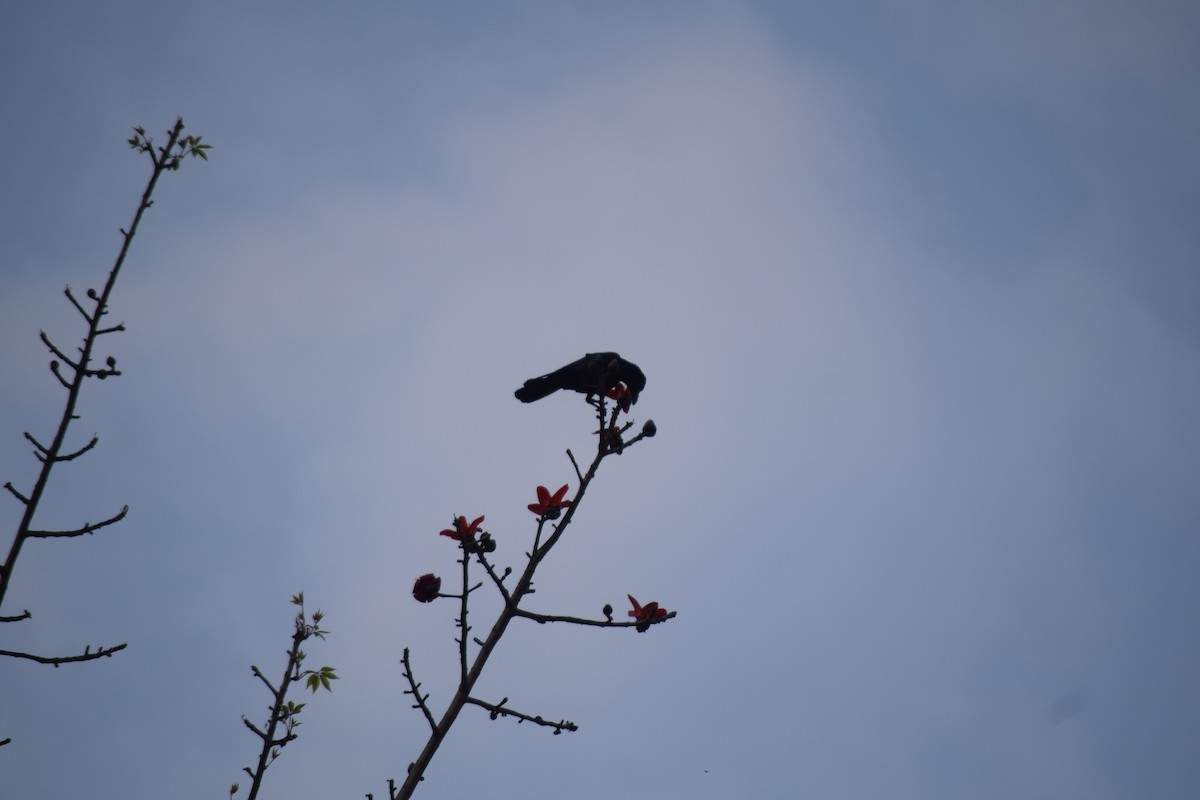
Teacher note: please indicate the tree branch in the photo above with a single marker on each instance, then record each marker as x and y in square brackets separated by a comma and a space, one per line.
[73, 386]
[86, 655]
[54, 368]
[497, 579]
[498, 710]
[72, 456]
[41, 448]
[596, 623]
[415, 690]
[283, 711]
[17, 495]
[61, 355]
[89, 527]
[74, 302]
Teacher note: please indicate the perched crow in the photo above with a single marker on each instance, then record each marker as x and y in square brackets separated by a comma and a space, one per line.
[595, 373]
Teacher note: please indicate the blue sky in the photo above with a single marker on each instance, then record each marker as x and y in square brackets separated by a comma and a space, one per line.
[914, 286]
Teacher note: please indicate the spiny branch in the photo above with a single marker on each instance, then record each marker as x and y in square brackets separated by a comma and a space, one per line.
[415, 690]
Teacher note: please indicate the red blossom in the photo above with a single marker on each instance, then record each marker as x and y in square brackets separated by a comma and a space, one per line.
[426, 588]
[548, 505]
[462, 530]
[622, 394]
[647, 613]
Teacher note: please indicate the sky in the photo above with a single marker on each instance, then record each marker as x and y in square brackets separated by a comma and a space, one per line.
[914, 288]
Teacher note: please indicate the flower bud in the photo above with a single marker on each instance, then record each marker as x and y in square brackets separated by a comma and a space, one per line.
[649, 429]
[426, 588]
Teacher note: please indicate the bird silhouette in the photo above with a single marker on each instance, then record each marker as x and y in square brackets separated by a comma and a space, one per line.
[595, 373]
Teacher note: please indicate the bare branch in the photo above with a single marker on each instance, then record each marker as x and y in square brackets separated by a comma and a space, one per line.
[51, 454]
[72, 456]
[42, 449]
[463, 627]
[575, 464]
[74, 302]
[497, 579]
[54, 368]
[498, 710]
[263, 678]
[61, 355]
[17, 618]
[89, 527]
[254, 728]
[15, 493]
[415, 690]
[86, 655]
[596, 623]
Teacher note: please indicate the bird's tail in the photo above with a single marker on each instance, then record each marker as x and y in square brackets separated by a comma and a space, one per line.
[536, 389]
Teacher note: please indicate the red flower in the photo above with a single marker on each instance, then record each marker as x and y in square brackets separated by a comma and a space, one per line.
[647, 613]
[462, 530]
[550, 506]
[426, 588]
[622, 395]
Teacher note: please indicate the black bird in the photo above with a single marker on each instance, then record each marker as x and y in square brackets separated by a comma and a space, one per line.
[595, 373]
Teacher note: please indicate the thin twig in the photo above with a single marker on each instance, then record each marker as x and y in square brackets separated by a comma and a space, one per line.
[575, 464]
[72, 456]
[597, 623]
[74, 302]
[89, 527]
[496, 579]
[86, 655]
[462, 615]
[499, 710]
[415, 690]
